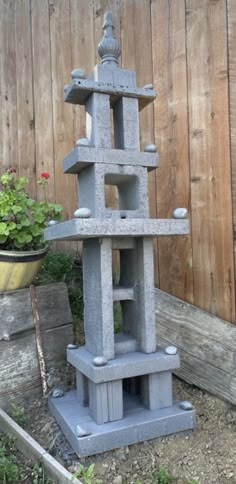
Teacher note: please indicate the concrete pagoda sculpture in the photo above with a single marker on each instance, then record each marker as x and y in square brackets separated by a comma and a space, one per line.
[124, 381]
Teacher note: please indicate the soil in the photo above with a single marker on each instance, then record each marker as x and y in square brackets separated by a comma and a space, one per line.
[206, 455]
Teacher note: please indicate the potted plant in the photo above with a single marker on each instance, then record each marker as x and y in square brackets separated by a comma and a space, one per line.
[22, 224]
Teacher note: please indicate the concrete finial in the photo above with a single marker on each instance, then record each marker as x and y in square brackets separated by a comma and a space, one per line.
[109, 47]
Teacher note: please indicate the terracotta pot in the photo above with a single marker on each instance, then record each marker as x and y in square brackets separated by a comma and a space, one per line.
[18, 269]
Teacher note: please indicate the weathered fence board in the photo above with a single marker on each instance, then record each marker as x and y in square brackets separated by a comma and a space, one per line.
[207, 345]
[172, 44]
[171, 133]
[19, 367]
[211, 214]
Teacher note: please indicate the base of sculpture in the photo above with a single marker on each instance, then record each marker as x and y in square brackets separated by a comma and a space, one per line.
[139, 424]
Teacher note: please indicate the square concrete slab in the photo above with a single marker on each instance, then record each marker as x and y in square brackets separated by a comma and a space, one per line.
[138, 424]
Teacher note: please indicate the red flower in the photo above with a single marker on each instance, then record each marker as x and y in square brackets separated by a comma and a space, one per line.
[45, 175]
[11, 170]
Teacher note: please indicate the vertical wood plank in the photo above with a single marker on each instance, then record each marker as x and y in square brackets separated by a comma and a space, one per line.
[213, 263]
[83, 51]
[171, 134]
[60, 39]
[44, 149]
[9, 137]
[231, 12]
[136, 45]
[24, 87]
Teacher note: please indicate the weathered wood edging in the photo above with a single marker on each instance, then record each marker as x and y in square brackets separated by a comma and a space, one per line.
[31, 449]
[206, 343]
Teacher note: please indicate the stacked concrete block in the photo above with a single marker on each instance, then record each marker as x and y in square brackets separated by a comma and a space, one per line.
[123, 381]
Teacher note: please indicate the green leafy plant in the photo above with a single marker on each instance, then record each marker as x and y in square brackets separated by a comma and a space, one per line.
[10, 471]
[162, 476]
[87, 474]
[38, 476]
[23, 220]
[18, 414]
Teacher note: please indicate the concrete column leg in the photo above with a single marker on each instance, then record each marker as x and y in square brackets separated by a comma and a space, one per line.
[82, 388]
[156, 390]
[98, 297]
[106, 401]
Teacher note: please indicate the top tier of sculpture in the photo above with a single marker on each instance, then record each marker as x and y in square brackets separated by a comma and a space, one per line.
[107, 77]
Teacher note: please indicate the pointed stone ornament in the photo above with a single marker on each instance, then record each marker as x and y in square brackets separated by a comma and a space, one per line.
[109, 47]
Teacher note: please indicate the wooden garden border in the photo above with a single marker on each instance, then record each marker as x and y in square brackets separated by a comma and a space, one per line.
[31, 449]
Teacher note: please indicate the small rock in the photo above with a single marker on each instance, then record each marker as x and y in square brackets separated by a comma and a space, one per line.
[78, 74]
[150, 148]
[58, 392]
[118, 480]
[83, 213]
[82, 142]
[171, 350]
[148, 86]
[99, 361]
[71, 346]
[80, 432]
[52, 222]
[186, 405]
[180, 213]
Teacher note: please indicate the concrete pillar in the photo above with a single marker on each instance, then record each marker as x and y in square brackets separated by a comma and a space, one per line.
[98, 297]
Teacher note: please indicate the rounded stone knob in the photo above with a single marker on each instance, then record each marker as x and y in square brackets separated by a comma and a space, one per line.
[186, 405]
[78, 74]
[52, 222]
[148, 86]
[82, 142]
[150, 148]
[99, 361]
[171, 350]
[180, 213]
[83, 213]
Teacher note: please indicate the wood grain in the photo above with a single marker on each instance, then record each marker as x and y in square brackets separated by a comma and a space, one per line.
[231, 14]
[171, 133]
[42, 84]
[18, 352]
[212, 235]
[207, 345]
[24, 92]
[60, 38]
[9, 137]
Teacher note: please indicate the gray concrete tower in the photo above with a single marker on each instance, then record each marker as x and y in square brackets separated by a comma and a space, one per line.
[124, 387]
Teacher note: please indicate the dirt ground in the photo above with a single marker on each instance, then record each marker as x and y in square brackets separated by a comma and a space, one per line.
[206, 455]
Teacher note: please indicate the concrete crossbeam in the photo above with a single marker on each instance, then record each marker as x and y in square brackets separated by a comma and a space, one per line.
[82, 157]
[123, 366]
[80, 229]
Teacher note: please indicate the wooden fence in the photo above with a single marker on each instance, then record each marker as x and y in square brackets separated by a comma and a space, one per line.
[187, 49]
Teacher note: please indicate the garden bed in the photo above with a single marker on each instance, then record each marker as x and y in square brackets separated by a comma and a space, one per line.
[205, 456]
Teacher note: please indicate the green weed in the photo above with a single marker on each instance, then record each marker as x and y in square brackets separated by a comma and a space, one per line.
[87, 474]
[162, 476]
[18, 414]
